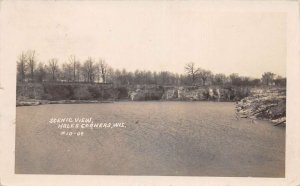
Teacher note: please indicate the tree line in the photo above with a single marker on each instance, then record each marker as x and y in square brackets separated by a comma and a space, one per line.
[98, 71]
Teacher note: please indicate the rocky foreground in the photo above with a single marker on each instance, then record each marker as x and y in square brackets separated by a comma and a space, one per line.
[266, 104]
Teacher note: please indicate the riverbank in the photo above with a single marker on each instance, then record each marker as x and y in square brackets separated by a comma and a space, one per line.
[38, 93]
[34, 102]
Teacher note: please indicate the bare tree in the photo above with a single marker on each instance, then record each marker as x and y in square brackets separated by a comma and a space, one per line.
[268, 78]
[22, 67]
[163, 78]
[67, 70]
[41, 72]
[204, 75]
[117, 77]
[280, 81]
[31, 63]
[98, 72]
[88, 69]
[192, 72]
[220, 79]
[124, 76]
[109, 74]
[74, 63]
[235, 79]
[103, 69]
[53, 68]
[78, 71]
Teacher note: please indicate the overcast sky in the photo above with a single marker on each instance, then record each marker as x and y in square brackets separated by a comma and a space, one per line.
[148, 36]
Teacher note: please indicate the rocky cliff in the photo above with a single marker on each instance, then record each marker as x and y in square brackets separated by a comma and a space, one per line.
[188, 93]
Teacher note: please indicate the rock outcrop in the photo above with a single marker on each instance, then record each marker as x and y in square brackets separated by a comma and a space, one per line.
[146, 93]
[268, 104]
[205, 93]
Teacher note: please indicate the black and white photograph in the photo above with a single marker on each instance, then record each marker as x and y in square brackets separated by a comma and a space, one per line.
[154, 88]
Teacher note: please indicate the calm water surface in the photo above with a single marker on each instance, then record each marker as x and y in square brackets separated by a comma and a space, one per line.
[160, 138]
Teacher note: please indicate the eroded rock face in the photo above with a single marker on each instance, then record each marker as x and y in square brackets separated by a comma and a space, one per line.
[148, 93]
[198, 94]
[136, 95]
[267, 104]
[170, 94]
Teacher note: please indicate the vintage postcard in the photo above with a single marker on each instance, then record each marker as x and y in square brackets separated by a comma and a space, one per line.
[149, 93]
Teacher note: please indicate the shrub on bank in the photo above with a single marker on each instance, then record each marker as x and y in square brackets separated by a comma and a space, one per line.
[58, 92]
[122, 93]
[30, 91]
[82, 93]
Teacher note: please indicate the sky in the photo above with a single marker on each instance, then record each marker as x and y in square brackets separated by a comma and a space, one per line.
[155, 36]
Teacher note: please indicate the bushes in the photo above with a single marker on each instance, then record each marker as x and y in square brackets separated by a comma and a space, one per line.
[240, 93]
[54, 92]
[93, 92]
[122, 93]
[82, 93]
[29, 90]
[235, 93]
[58, 92]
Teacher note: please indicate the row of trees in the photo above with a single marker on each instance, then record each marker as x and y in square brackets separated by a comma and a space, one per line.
[206, 77]
[91, 71]
[29, 70]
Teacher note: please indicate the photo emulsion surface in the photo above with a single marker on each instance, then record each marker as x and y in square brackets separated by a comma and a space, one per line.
[129, 89]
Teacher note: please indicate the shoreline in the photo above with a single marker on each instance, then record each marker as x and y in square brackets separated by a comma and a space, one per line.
[21, 103]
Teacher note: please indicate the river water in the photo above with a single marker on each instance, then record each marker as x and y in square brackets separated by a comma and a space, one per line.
[146, 138]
